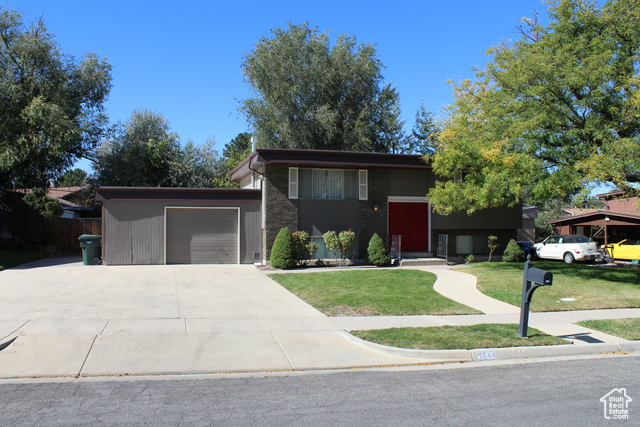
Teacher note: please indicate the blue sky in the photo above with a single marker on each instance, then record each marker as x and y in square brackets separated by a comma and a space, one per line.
[182, 59]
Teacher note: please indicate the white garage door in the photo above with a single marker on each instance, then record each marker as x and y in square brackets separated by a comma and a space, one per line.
[202, 235]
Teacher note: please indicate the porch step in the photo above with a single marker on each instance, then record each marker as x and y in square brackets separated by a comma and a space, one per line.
[408, 262]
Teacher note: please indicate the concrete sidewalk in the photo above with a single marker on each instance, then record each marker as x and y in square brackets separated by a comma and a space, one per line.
[72, 320]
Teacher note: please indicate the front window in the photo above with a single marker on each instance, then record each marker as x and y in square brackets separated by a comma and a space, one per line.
[327, 183]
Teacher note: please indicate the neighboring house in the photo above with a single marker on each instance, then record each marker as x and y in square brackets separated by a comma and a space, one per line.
[619, 219]
[312, 190]
[64, 195]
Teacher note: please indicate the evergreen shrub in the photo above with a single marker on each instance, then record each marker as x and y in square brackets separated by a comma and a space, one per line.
[377, 254]
[513, 252]
[284, 254]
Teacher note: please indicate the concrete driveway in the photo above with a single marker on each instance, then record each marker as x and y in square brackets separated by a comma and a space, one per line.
[75, 320]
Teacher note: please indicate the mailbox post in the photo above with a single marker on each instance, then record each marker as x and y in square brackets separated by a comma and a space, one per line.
[533, 279]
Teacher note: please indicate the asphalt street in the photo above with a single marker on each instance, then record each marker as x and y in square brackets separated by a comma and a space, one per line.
[507, 393]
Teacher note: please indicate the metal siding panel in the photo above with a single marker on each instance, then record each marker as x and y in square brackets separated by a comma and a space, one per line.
[250, 232]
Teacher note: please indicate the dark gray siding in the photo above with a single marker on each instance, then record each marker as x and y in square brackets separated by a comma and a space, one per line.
[134, 230]
[410, 182]
[502, 218]
[319, 216]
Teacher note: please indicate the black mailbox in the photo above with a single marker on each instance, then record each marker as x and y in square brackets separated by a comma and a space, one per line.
[533, 279]
[541, 277]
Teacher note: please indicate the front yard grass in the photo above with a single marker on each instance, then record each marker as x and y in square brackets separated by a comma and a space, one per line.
[628, 329]
[591, 286]
[11, 258]
[458, 337]
[384, 292]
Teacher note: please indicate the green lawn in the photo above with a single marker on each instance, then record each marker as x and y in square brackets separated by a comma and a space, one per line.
[374, 292]
[592, 286]
[11, 258]
[628, 329]
[458, 337]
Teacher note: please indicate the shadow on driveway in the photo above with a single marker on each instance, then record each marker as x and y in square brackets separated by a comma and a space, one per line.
[66, 261]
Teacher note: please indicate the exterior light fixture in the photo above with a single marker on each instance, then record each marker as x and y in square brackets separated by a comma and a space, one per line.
[375, 206]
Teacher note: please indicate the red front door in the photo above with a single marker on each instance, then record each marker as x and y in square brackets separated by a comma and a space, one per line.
[411, 221]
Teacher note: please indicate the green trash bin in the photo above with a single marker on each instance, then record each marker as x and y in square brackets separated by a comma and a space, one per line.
[90, 244]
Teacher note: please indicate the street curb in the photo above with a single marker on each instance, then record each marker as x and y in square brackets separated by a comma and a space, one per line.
[506, 353]
[453, 355]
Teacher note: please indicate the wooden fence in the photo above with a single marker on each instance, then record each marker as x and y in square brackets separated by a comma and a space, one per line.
[72, 228]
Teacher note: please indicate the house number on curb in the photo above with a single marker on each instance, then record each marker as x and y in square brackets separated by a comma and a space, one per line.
[487, 356]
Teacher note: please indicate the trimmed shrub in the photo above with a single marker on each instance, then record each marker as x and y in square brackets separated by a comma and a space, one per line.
[339, 244]
[283, 251]
[377, 254]
[513, 252]
[305, 248]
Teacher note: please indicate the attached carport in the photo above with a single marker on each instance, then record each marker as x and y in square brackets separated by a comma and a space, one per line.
[180, 225]
[604, 226]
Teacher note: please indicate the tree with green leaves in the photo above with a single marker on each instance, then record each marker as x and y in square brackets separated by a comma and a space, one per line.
[144, 152]
[34, 218]
[198, 166]
[138, 153]
[237, 150]
[309, 94]
[50, 104]
[555, 110]
[424, 135]
[72, 178]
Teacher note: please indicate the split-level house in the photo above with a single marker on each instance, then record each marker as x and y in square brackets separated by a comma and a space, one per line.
[311, 190]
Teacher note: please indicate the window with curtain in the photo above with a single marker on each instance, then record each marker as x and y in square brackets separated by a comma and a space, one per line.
[327, 183]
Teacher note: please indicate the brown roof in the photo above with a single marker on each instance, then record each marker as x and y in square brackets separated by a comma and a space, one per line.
[323, 158]
[579, 211]
[58, 193]
[174, 193]
[600, 217]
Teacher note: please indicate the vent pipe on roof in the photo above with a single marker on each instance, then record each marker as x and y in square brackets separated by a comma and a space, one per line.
[253, 143]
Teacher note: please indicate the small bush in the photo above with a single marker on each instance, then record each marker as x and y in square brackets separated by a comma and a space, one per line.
[469, 259]
[339, 244]
[305, 249]
[377, 254]
[493, 245]
[283, 252]
[513, 252]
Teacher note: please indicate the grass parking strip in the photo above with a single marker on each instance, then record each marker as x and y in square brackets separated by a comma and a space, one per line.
[458, 337]
[375, 292]
[628, 329]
